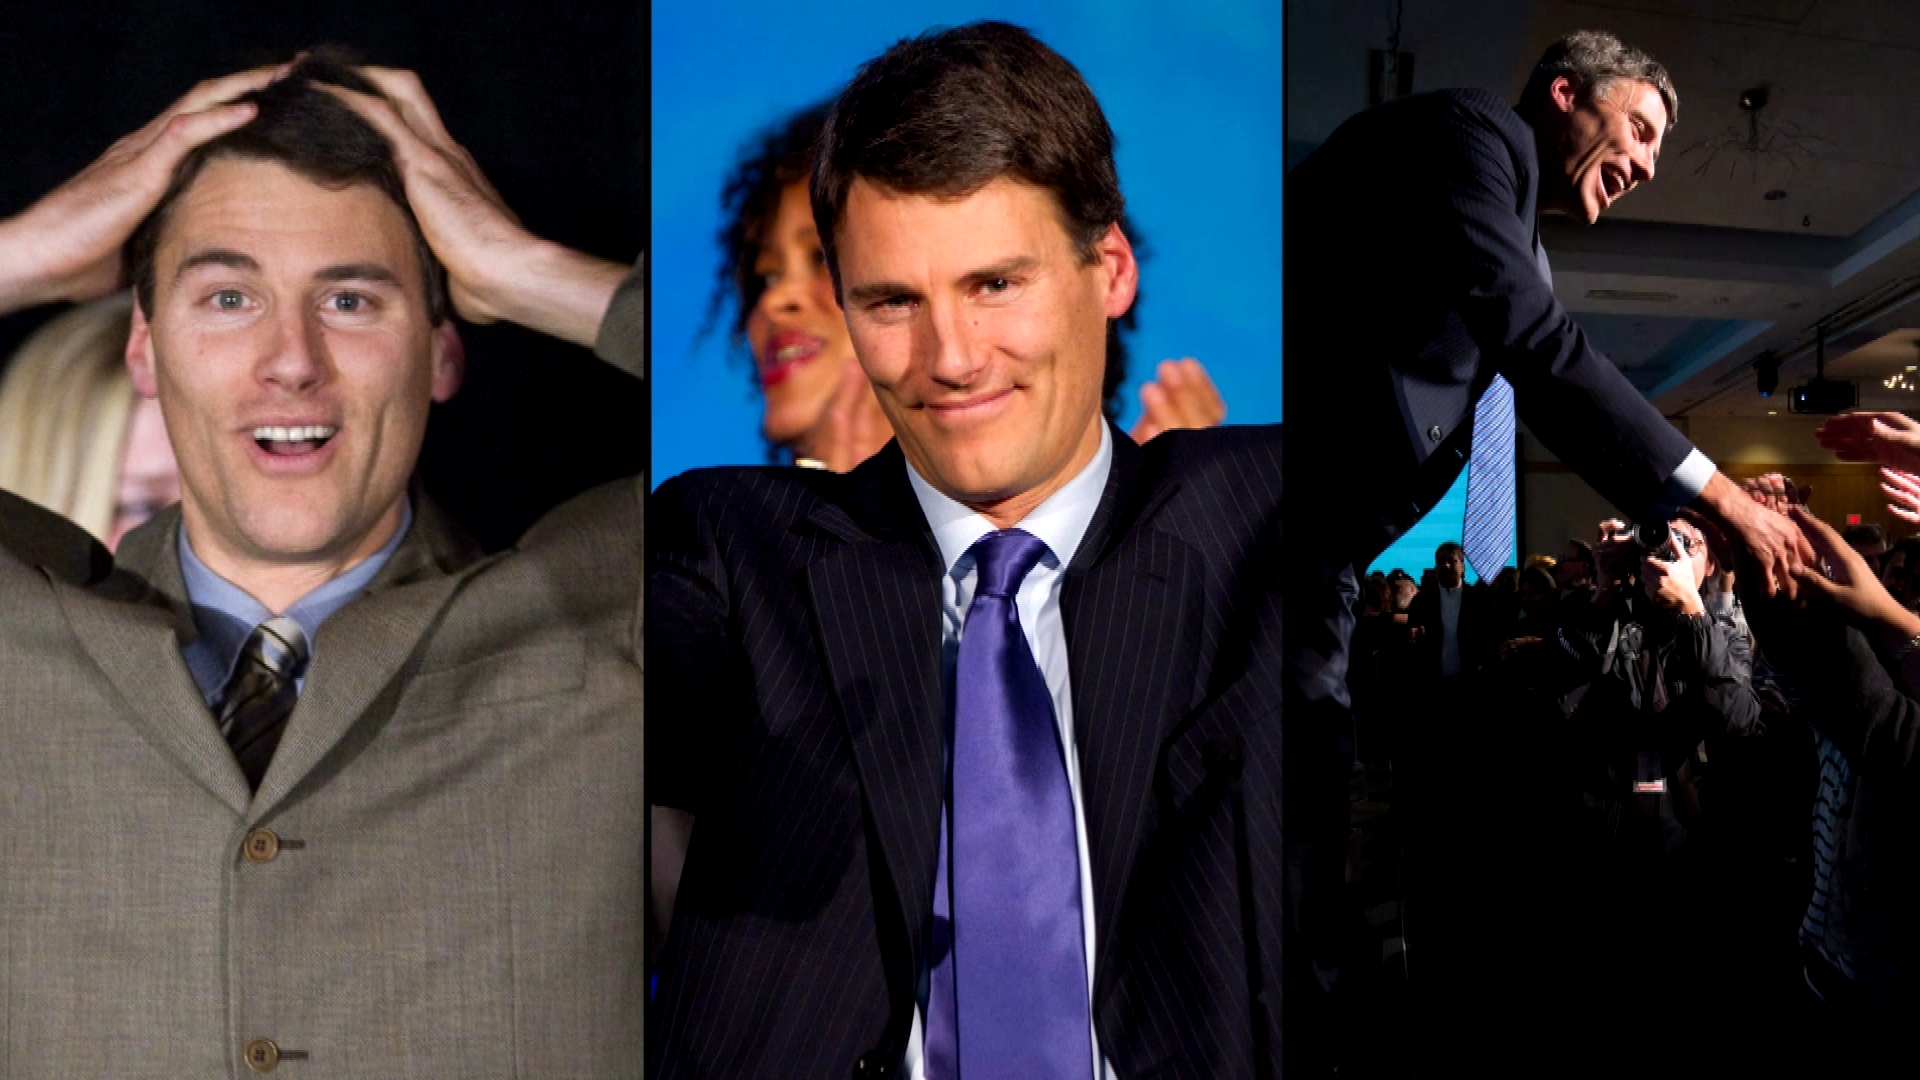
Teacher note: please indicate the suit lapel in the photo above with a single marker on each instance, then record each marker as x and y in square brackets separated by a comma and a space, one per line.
[1126, 606]
[356, 655]
[876, 603]
[364, 645]
[137, 645]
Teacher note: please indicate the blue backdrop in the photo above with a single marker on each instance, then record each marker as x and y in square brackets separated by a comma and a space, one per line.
[1194, 94]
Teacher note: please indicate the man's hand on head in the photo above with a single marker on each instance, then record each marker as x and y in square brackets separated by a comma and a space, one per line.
[496, 269]
[67, 245]
[1777, 547]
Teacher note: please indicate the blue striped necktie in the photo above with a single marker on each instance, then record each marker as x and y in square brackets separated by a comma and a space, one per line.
[1487, 534]
[1008, 992]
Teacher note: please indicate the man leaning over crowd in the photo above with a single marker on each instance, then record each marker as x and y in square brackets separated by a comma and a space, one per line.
[305, 780]
[979, 737]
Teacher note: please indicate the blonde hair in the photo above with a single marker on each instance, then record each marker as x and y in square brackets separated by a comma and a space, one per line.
[65, 401]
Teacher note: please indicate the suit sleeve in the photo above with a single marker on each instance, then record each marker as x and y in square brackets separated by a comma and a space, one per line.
[1578, 403]
[692, 671]
[622, 341]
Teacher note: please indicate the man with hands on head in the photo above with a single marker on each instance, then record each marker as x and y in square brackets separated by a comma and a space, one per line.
[305, 779]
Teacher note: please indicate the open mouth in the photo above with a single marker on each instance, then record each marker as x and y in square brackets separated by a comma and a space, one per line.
[786, 352]
[1613, 183]
[293, 441]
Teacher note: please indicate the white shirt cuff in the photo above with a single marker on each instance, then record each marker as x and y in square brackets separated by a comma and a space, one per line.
[1686, 484]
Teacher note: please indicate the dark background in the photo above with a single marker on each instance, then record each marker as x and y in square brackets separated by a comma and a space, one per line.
[549, 97]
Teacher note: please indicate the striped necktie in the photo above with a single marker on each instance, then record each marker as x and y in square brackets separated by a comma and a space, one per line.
[260, 694]
[1487, 534]
[1008, 992]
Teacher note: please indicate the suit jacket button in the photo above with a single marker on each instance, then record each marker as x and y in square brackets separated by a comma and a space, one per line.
[1434, 433]
[262, 1056]
[261, 846]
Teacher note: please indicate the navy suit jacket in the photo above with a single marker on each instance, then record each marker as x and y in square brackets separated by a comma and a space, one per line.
[796, 707]
[1413, 275]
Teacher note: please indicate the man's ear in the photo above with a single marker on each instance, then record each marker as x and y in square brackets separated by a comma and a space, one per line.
[449, 359]
[140, 354]
[1563, 94]
[1115, 251]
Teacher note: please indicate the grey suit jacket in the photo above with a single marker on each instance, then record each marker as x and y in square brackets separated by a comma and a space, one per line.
[442, 874]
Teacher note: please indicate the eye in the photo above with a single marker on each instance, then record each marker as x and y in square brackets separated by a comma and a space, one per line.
[349, 303]
[229, 300]
[996, 286]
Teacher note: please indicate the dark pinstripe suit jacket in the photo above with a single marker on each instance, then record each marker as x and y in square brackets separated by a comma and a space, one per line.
[1413, 274]
[798, 711]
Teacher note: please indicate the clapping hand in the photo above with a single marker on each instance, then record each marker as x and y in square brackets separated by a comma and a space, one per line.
[1182, 396]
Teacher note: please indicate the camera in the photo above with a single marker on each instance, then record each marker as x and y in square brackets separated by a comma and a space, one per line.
[1656, 539]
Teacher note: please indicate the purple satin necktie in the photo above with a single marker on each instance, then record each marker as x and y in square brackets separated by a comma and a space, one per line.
[1008, 996]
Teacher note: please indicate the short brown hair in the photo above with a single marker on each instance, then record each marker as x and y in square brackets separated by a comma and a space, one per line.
[950, 111]
[311, 132]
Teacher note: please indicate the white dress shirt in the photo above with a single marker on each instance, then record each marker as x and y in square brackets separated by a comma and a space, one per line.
[1060, 522]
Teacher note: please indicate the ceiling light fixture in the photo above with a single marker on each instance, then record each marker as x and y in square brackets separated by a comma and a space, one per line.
[1756, 140]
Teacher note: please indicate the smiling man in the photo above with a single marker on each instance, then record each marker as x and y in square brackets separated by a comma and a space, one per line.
[1421, 319]
[305, 783]
[981, 737]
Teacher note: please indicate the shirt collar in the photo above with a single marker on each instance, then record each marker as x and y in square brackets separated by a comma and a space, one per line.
[1060, 521]
[224, 614]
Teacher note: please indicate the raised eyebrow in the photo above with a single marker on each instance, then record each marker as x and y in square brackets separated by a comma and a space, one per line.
[233, 260]
[370, 272]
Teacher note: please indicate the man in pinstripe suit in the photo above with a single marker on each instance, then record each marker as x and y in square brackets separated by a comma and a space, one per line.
[812, 678]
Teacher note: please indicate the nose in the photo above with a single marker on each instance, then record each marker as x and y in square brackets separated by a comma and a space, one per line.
[783, 297]
[295, 358]
[948, 347]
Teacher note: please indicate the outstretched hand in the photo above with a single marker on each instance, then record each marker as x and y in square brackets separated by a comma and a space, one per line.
[496, 269]
[1182, 396]
[67, 246]
[1747, 516]
[1903, 493]
[1849, 582]
[1889, 438]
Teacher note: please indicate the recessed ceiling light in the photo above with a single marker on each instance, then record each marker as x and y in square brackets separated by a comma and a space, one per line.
[1775, 195]
[1773, 412]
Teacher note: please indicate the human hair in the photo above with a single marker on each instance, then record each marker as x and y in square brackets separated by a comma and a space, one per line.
[1541, 580]
[1448, 548]
[1593, 60]
[65, 403]
[311, 132]
[1863, 535]
[950, 111]
[783, 155]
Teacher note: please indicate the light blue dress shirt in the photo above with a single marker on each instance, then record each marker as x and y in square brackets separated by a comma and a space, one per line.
[225, 615]
[1061, 523]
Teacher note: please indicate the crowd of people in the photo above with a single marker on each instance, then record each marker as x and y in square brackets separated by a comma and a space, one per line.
[1593, 797]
